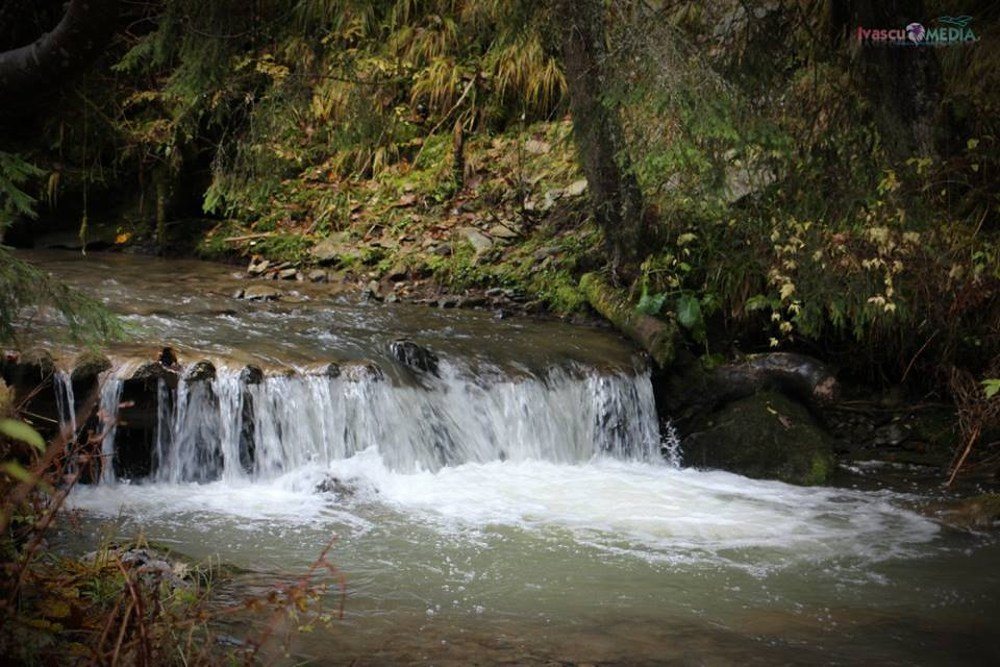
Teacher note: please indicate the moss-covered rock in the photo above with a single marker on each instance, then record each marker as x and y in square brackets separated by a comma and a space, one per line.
[765, 436]
[89, 365]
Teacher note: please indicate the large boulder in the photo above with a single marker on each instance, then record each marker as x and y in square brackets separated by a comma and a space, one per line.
[766, 436]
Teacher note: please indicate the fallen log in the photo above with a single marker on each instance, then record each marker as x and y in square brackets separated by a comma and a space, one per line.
[656, 336]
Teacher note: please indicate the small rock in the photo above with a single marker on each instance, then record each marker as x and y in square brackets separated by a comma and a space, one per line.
[397, 273]
[287, 274]
[374, 290]
[494, 292]
[331, 370]
[889, 434]
[448, 302]
[318, 276]
[542, 253]
[505, 232]
[261, 293]
[536, 147]
[257, 266]
[442, 250]
[330, 249]
[479, 241]
[392, 298]
[576, 188]
[360, 371]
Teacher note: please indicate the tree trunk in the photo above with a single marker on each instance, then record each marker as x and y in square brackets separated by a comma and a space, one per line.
[83, 32]
[600, 141]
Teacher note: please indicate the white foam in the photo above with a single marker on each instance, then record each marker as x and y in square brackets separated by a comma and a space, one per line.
[647, 510]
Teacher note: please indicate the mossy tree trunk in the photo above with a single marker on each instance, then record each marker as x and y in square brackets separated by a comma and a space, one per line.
[614, 191]
[656, 336]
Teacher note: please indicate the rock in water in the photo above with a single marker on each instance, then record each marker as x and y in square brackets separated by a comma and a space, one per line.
[261, 293]
[764, 436]
[203, 370]
[251, 375]
[414, 356]
[89, 365]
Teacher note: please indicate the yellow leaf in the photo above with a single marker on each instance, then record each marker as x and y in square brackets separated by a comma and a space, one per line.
[124, 237]
[54, 608]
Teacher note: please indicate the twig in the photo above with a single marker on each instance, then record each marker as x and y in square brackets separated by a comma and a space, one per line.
[922, 348]
[968, 448]
[247, 237]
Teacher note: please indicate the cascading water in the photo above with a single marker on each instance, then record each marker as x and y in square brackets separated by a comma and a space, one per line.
[112, 383]
[224, 428]
[65, 401]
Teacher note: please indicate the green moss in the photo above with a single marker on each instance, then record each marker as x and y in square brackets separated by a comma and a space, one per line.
[284, 247]
[213, 245]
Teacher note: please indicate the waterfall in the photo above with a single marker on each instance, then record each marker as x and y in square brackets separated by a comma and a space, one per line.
[223, 427]
[112, 383]
[65, 402]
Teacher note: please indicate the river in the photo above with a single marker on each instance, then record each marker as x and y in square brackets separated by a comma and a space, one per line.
[520, 504]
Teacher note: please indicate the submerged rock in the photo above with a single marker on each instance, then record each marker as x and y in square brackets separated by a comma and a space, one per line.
[359, 371]
[980, 512]
[342, 488]
[764, 436]
[413, 356]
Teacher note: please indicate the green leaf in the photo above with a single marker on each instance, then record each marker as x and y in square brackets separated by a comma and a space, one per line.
[17, 430]
[650, 304]
[689, 312]
[757, 302]
[17, 471]
[991, 386]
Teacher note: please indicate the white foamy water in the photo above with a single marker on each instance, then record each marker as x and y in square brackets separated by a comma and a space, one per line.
[580, 454]
[646, 510]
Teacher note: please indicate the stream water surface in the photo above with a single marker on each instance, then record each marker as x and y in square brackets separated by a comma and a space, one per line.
[520, 506]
